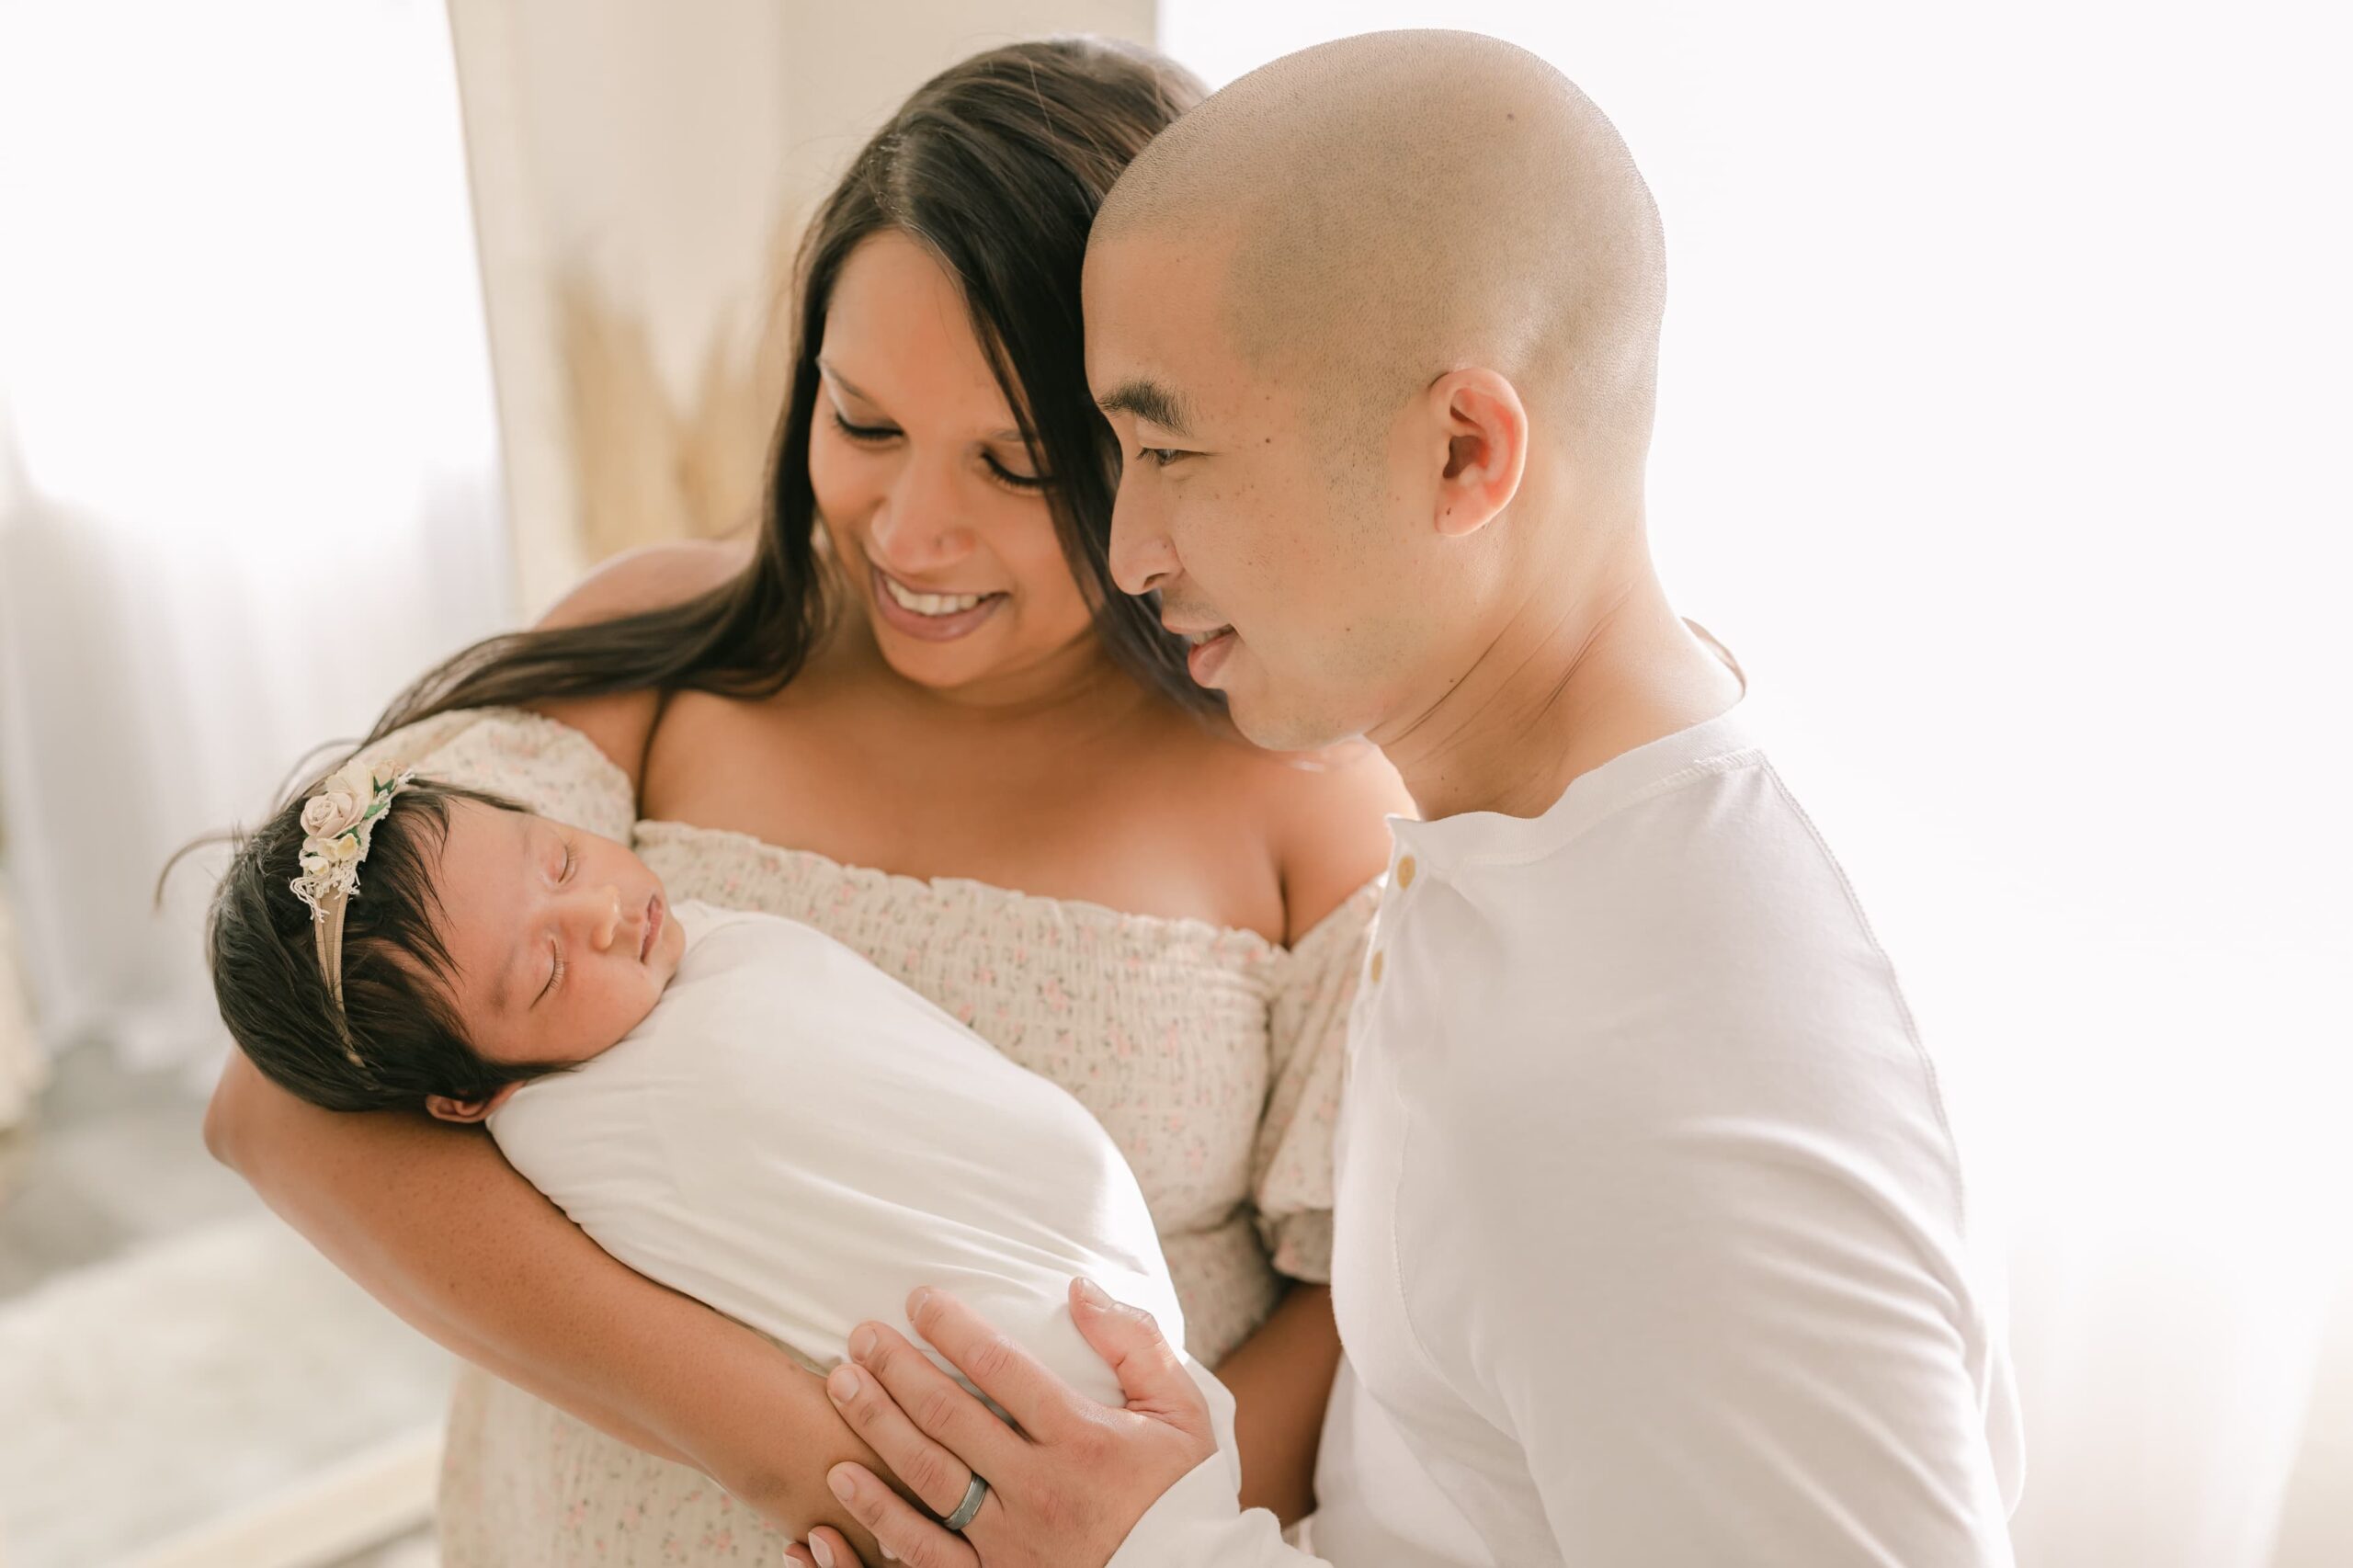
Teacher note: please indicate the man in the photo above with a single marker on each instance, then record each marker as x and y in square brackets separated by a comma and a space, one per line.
[1651, 1243]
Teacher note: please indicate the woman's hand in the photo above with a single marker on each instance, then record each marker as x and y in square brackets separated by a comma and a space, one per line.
[1065, 1489]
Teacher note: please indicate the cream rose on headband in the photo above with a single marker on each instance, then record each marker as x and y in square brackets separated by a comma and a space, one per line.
[337, 822]
[326, 815]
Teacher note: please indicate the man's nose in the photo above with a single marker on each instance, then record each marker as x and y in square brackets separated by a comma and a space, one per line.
[1141, 556]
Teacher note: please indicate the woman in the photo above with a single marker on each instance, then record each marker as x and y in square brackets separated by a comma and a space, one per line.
[918, 694]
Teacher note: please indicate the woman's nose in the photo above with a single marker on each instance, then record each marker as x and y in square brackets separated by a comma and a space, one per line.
[915, 528]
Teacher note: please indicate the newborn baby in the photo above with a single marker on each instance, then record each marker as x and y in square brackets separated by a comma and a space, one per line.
[733, 1104]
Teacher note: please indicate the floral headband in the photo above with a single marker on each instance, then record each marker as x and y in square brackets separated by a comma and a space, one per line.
[337, 823]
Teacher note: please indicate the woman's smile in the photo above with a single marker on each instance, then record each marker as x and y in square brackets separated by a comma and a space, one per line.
[934, 617]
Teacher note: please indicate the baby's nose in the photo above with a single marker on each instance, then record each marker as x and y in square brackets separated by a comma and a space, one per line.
[604, 917]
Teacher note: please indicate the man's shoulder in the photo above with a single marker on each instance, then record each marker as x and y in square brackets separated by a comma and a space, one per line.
[1697, 952]
[1720, 852]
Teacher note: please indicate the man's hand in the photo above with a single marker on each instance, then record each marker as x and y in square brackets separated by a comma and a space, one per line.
[1064, 1490]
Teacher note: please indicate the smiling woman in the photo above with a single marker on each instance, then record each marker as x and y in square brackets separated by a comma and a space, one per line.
[918, 716]
[934, 375]
[937, 510]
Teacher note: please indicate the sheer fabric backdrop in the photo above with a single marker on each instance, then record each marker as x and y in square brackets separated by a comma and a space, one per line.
[256, 469]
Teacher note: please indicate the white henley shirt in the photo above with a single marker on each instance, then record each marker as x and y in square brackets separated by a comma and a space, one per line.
[1652, 1242]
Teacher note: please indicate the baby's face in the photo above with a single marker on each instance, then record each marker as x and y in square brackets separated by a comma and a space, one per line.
[562, 939]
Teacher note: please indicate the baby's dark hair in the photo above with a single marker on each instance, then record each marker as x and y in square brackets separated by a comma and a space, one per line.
[396, 1014]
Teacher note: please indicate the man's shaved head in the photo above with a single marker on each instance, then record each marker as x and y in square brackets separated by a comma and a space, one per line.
[1378, 328]
[1396, 205]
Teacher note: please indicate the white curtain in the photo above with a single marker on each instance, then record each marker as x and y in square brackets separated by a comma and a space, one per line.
[22, 1070]
[255, 470]
[2003, 435]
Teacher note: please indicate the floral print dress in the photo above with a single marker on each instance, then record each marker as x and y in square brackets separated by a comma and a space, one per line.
[1213, 1057]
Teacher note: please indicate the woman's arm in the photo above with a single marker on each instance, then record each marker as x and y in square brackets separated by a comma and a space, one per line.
[434, 1223]
[1330, 836]
[1280, 1377]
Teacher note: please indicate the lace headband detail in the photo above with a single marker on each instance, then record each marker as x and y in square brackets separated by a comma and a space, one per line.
[337, 823]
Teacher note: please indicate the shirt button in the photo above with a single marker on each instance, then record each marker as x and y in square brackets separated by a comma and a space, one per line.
[1376, 969]
[1405, 872]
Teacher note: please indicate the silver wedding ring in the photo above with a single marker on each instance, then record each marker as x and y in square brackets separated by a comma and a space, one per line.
[970, 1508]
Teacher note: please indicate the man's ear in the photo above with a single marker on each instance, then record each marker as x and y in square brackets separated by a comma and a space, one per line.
[1485, 427]
[449, 1109]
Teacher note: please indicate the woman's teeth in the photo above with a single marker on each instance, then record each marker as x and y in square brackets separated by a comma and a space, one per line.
[931, 604]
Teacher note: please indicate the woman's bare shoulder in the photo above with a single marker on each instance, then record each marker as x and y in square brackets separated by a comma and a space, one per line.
[1333, 822]
[651, 577]
[1325, 815]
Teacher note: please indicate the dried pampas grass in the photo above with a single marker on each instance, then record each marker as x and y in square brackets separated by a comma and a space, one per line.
[649, 470]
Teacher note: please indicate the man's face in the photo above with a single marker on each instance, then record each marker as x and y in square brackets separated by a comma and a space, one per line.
[1297, 561]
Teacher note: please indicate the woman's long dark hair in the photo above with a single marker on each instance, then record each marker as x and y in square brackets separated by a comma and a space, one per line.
[997, 165]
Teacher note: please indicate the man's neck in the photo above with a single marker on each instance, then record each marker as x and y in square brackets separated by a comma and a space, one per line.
[1568, 683]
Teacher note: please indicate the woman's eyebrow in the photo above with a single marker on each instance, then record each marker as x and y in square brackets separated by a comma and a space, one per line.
[842, 381]
[1010, 433]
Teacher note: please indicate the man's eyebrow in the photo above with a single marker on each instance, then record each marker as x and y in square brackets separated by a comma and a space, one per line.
[1148, 401]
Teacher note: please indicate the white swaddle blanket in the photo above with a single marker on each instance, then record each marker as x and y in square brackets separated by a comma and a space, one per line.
[799, 1141]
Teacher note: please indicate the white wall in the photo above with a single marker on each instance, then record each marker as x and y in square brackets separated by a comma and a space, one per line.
[2004, 435]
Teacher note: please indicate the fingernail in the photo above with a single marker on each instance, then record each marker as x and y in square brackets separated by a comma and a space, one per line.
[842, 1384]
[822, 1553]
[861, 1344]
[1092, 1295]
[840, 1482]
[916, 1303]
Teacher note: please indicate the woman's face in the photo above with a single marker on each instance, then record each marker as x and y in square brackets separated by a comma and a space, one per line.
[936, 511]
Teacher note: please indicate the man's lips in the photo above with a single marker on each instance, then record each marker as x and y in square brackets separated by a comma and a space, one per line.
[1206, 652]
[1197, 633]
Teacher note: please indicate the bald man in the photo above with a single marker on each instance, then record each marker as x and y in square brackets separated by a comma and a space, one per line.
[1651, 1241]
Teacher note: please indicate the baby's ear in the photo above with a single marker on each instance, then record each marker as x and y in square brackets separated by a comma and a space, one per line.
[449, 1109]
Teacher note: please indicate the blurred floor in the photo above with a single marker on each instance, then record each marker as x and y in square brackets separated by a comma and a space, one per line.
[170, 1354]
[111, 1159]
